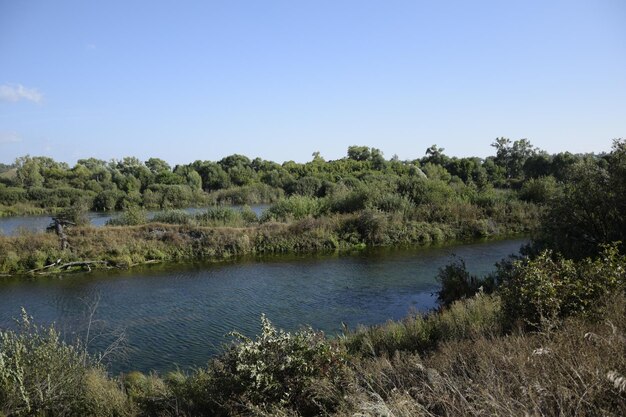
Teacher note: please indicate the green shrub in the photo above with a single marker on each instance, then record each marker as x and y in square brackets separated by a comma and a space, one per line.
[76, 214]
[392, 203]
[132, 216]
[276, 368]
[249, 194]
[475, 316]
[349, 201]
[456, 282]
[248, 215]
[539, 190]
[550, 287]
[12, 195]
[217, 215]
[293, 208]
[150, 393]
[307, 186]
[41, 375]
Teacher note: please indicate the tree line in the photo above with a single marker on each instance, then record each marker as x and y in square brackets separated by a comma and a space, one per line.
[236, 179]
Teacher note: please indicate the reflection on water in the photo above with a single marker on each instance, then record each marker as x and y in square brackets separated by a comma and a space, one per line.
[181, 314]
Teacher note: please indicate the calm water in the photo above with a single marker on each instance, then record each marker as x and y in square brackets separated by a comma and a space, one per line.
[181, 314]
[13, 224]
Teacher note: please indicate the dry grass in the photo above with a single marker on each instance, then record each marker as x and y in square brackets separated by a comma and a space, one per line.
[573, 371]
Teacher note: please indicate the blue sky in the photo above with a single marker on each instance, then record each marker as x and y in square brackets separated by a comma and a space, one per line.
[186, 80]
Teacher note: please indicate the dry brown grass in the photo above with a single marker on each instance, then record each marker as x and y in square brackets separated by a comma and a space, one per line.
[573, 371]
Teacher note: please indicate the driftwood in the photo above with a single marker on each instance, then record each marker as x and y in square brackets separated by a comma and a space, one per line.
[58, 261]
[68, 265]
[82, 263]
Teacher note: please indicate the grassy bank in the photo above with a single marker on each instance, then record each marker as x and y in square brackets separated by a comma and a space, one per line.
[125, 246]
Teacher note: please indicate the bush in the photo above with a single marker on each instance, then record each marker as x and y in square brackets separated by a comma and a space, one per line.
[392, 203]
[76, 214]
[133, 216]
[275, 369]
[248, 215]
[550, 287]
[41, 375]
[218, 216]
[248, 194]
[479, 315]
[539, 190]
[293, 208]
[307, 186]
[457, 283]
[349, 202]
[12, 195]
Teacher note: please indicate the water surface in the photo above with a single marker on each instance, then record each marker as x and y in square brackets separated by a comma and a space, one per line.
[180, 314]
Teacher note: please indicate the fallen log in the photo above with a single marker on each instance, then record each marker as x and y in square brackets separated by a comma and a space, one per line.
[81, 263]
[58, 261]
[67, 265]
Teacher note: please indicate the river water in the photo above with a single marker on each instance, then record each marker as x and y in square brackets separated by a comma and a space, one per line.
[179, 315]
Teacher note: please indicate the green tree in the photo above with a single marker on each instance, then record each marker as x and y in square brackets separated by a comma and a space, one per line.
[359, 153]
[29, 172]
[435, 155]
[156, 165]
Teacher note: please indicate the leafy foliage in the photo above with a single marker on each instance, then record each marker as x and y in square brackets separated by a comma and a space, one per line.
[550, 287]
[42, 375]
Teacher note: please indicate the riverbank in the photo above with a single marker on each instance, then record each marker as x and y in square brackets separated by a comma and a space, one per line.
[127, 246]
[460, 361]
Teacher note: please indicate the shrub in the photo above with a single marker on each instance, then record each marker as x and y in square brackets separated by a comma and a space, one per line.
[426, 191]
[456, 282]
[248, 215]
[349, 202]
[218, 216]
[75, 214]
[391, 202]
[293, 208]
[133, 216]
[479, 315]
[248, 194]
[41, 375]
[276, 368]
[539, 190]
[307, 186]
[12, 195]
[550, 287]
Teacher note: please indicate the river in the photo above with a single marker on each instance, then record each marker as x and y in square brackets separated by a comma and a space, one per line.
[179, 315]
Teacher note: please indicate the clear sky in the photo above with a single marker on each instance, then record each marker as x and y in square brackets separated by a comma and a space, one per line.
[186, 80]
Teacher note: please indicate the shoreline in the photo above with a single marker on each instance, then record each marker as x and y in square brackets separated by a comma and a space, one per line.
[123, 247]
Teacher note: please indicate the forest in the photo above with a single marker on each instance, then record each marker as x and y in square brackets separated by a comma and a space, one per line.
[40, 184]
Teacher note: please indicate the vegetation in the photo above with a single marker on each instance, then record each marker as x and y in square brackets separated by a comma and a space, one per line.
[33, 183]
[544, 335]
[222, 233]
[459, 361]
[354, 202]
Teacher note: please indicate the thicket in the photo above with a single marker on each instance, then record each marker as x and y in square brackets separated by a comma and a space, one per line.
[41, 183]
